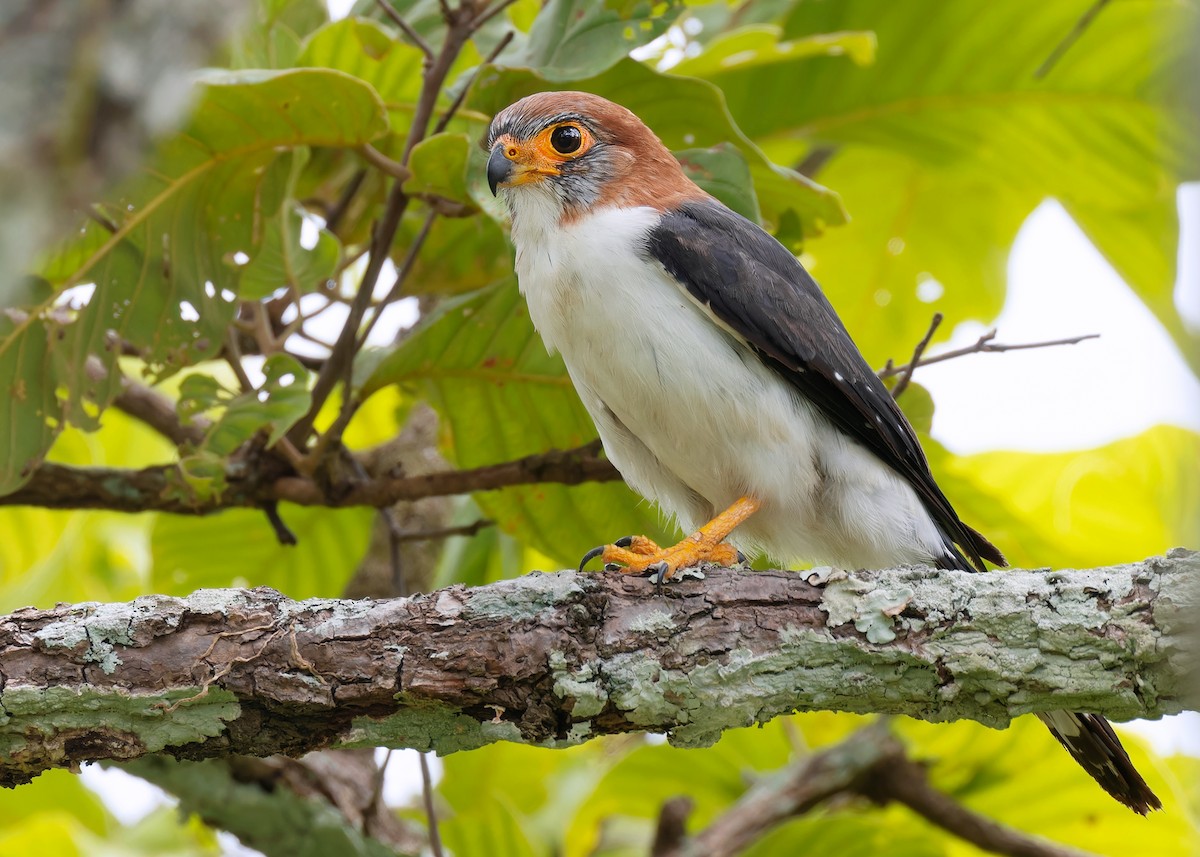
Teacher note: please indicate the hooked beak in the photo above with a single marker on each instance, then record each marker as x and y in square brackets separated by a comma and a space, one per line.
[499, 169]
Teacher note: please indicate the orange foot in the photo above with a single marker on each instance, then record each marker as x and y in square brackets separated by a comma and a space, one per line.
[640, 555]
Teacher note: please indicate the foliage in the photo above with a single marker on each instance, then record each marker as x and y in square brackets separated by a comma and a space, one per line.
[934, 131]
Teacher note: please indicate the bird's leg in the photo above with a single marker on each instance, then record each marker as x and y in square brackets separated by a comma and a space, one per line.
[639, 555]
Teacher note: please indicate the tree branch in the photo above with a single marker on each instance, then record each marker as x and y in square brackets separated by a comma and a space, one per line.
[299, 808]
[872, 763]
[904, 781]
[557, 659]
[161, 489]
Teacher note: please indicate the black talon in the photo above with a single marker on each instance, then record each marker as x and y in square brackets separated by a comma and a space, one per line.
[590, 555]
[658, 573]
[741, 558]
[624, 542]
[612, 566]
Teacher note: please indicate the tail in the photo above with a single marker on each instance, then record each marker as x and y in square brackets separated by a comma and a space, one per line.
[1093, 744]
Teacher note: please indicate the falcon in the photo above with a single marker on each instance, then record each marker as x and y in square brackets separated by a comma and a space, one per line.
[723, 385]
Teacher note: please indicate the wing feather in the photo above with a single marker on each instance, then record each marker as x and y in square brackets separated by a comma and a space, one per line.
[751, 284]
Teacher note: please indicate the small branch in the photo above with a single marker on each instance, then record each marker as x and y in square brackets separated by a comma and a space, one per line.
[872, 763]
[815, 160]
[904, 781]
[160, 488]
[462, 93]
[1070, 39]
[94, 212]
[487, 15]
[983, 345]
[435, 836]
[158, 412]
[283, 533]
[794, 792]
[445, 532]
[907, 372]
[233, 356]
[383, 163]
[407, 29]
[671, 831]
[334, 216]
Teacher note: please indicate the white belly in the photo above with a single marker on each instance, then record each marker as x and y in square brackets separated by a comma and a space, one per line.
[692, 418]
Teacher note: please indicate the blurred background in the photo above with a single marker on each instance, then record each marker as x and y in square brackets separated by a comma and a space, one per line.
[190, 196]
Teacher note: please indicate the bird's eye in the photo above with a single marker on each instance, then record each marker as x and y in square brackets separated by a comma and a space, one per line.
[566, 139]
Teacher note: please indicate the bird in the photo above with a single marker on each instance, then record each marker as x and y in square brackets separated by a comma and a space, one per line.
[722, 383]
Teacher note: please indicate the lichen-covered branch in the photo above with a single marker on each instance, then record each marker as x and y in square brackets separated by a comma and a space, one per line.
[555, 659]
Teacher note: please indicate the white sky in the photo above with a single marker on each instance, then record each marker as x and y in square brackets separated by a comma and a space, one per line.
[1070, 397]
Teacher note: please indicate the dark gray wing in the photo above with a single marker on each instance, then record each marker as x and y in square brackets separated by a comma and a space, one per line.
[751, 283]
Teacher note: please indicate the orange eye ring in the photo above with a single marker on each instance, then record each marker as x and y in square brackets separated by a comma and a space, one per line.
[564, 141]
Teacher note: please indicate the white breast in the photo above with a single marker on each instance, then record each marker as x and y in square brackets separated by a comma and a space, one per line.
[688, 414]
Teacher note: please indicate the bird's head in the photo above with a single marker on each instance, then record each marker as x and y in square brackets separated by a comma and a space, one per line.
[579, 151]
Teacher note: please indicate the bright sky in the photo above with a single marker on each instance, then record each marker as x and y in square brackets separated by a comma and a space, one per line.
[1070, 397]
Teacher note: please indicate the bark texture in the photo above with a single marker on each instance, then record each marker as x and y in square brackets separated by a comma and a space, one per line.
[556, 659]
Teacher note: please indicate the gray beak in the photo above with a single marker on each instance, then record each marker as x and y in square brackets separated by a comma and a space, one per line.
[499, 168]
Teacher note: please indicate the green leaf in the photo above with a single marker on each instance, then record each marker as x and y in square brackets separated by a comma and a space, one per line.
[50, 555]
[1121, 502]
[165, 280]
[368, 52]
[723, 172]
[283, 261]
[685, 113]
[1008, 775]
[59, 798]
[490, 828]
[501, 396]
[273, 38]
[240, 549]
[974, 139]
[439, 167]
[573, 39]
[281, 400]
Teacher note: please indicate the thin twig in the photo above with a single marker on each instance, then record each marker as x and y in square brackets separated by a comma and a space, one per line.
[462, 93]
[397, 289]
[815, 160]
[94, 213]
[983, 345]
[443, 532]
[487, 14]
[1085, 21]
[407, 29]
[282, 532]
[334, 216]
[339, 366]
[435, 837]
[383, 163]
[233, 356]
[158, 412]
[372, 807]
[912, 365]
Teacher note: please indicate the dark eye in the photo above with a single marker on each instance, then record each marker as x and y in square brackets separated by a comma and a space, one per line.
[566, 139]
